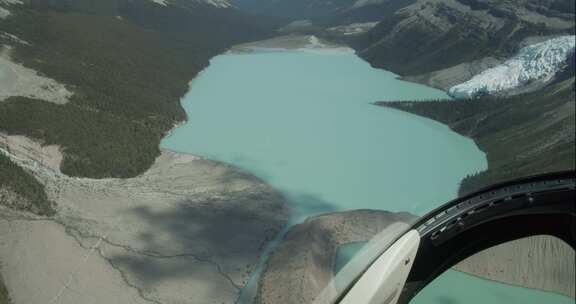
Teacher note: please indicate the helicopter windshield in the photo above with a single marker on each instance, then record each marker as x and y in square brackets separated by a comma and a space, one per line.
[273, 151]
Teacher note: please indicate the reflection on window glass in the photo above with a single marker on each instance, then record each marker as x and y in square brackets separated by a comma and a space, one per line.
[532, 270]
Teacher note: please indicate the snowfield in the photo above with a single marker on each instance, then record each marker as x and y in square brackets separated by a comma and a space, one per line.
[537, 62]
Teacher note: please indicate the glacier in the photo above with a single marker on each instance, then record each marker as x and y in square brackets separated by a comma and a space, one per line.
[536, 62]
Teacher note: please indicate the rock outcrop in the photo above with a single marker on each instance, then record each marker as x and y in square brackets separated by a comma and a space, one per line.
[432, 35]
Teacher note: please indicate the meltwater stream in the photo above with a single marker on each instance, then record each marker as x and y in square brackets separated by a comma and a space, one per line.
[305, 123]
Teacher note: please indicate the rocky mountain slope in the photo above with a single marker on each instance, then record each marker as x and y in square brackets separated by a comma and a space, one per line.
[113, 7]
[522, 49]
[419, 37]
[474, 48]
[325, 11]
[298, 9]
[432, 35]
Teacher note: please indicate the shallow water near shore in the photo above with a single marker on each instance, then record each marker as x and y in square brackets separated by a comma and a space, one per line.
[305, 123]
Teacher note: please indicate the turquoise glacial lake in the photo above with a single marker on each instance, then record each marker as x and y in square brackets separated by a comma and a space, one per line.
[305, 123]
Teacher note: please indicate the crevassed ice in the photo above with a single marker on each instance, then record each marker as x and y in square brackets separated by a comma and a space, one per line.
[540, 61]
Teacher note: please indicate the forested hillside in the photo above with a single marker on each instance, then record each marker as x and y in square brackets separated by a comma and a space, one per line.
[430, 35]
[127, 74]
[19, 190]
[521, 136]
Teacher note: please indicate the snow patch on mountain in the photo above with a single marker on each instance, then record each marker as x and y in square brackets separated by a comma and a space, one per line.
[353, 28]
[215, 3]
[161, 2]
[4, 12]
[218, 3]
[314, 42]
[537, 62]
[7, 2]
[361, 3]
[12, 38]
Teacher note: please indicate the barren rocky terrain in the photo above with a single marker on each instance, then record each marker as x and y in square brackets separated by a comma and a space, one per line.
[197, 226]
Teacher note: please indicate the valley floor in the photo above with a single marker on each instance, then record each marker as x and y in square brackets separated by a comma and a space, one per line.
[170, 219]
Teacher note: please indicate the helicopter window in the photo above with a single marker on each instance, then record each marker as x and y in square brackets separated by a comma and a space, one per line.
[536, 269]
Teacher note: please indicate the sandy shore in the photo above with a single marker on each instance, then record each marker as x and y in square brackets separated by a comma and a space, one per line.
[303, 43]
[188, 229]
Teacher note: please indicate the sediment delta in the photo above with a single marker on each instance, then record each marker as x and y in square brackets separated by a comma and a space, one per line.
[196, 225]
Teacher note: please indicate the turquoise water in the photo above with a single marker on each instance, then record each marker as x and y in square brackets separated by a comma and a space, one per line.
[304, 123]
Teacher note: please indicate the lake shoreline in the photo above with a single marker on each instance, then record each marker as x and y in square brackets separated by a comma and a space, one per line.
[198, 98]
[291, 43]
